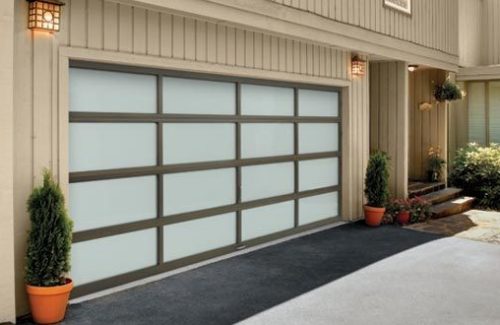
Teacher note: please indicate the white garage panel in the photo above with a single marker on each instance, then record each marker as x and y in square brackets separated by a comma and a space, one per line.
[191, 96]
[196, 142]
[266, 180]
[198, 236]
[110, 202]
[107, 91]
[105, 257]
[318, 137]
[266, 220]
[266, 100]
[318, 173]
[261, 140]
[318, 103]
[94, 146]
[316, 208]
[199, 190]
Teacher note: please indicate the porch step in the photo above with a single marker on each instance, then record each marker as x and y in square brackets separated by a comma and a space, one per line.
[442, 195]
[451, 207]
[421, 188]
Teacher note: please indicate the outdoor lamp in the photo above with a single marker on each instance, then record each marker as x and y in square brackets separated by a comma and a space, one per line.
[44, 15]
[358, 66]
[412, 67]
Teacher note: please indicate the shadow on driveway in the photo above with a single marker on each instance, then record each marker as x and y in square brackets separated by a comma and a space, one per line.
[234, 289]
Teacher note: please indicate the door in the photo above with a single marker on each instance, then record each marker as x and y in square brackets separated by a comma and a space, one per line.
[168, 168]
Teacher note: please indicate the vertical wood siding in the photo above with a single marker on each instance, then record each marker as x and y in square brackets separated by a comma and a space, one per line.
[433, 23]
[470, 31]
[491, 28]
[389, 118]
[107, 25]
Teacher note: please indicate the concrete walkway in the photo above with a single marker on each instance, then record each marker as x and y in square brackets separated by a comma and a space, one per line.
[447, 281]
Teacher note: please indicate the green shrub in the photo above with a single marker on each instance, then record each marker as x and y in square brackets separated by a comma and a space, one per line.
[447, 91]
[476, 169]
[49, 240]
[377, 179]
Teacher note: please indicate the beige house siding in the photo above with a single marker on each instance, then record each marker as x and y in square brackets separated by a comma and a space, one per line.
[432, 23]
[389, 118]
[7, 313]
[107, 31]
[470, 30]
[491, 25]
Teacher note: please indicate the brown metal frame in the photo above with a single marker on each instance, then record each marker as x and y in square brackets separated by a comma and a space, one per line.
[159, 118]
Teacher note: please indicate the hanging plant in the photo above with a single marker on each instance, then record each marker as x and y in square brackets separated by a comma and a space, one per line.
[447, 91]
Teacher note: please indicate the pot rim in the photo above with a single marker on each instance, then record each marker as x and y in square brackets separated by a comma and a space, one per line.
[376, 209]
[48, 291]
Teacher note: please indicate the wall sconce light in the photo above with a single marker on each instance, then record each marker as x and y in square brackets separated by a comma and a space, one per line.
[412, 67]
[358, 66]
[44, 15]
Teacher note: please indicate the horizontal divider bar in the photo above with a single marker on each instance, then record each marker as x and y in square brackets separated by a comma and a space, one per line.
[81, 290]
[181, 217]
[97, 117]
[86, 176]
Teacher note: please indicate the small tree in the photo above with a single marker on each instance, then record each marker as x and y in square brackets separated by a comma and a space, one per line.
[49, 240]
[377, 179]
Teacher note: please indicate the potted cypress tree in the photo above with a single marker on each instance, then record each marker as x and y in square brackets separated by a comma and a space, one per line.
[48, 253]
[376, 188]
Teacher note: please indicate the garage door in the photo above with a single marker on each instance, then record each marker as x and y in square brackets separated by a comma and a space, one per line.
[167, 169]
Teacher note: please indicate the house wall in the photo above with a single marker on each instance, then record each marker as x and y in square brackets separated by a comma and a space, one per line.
[491, 26]
[470, 30]
[389, 118]
[112, 32]
[427, 128]
[432, 23]
[7, 313]
[458, 126]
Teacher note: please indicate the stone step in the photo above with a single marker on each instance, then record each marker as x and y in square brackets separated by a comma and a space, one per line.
[451, 207]
[442, 195]
[421, 188]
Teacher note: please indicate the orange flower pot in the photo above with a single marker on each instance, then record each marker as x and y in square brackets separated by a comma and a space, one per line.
[374, 216]
[404, 217]
[48, 304]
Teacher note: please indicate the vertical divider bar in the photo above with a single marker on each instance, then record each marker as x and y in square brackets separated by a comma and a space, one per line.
[238, 168]
[159, 161]
[296, 152]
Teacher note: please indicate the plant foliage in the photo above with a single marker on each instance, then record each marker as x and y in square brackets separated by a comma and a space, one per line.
[377, 179]
[476, 169]
[420, 209]
[49, 240]
[447, 91]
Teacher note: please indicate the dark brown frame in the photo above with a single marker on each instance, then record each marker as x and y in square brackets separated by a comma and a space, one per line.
[160, 169]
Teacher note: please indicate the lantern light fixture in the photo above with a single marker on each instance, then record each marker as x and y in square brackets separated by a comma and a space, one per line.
[44, 15]
[412, 67]
[358, 66]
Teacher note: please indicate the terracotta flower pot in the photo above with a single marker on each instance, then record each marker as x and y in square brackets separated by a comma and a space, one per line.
[48, 304]
[404, 217]
[373, 216]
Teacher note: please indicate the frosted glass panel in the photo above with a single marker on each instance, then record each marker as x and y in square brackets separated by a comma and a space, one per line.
[318, 137]
[193, 142]
[199, 190]
[111, 145]
[260, 140]
[266, 100]
[318, 173]
[477, 112]
[267, 220]
[197, 236]
[105, 257]
[106, 91]
[110, 202]
[266, 180]
[318, 207]
[318, 103]
[191, 96]
[494, 102]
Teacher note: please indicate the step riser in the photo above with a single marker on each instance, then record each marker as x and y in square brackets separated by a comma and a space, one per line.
[453, 208]
[427, 190]
[442, 195]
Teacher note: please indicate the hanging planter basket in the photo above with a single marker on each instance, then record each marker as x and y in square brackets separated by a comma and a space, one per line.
[447, 92]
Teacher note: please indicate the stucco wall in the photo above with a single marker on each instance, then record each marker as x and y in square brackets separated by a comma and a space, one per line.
[113, 32]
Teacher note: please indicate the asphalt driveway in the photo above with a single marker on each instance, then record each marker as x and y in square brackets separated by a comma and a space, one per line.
[350, 274]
